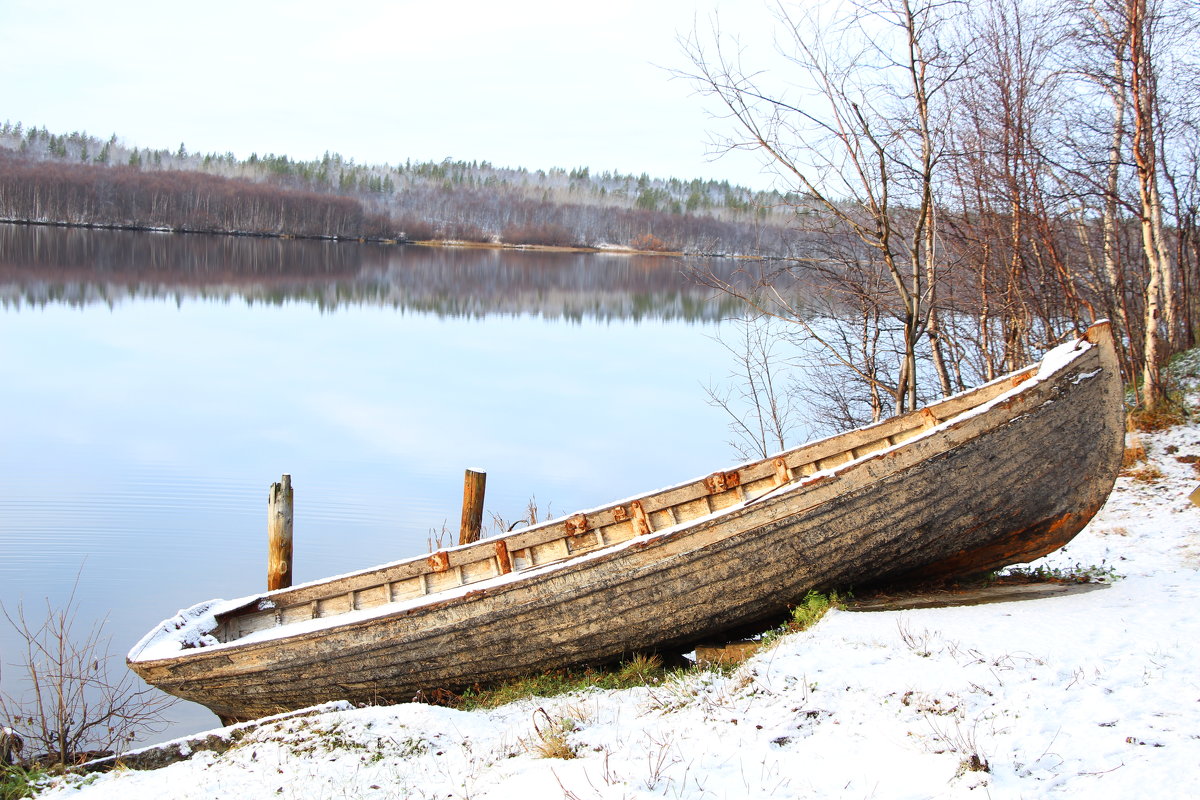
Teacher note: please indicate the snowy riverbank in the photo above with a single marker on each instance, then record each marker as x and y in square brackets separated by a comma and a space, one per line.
[1094, 693]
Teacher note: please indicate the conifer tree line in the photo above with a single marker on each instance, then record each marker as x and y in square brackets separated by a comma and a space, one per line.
[988, 178]
[45, 177]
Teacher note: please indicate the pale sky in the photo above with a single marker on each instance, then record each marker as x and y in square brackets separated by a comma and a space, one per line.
[532, 83]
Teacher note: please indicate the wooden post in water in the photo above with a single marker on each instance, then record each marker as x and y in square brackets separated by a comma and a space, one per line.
[472, 509]
[279, 535]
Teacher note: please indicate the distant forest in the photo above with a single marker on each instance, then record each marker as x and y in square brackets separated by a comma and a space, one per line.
[79, 179]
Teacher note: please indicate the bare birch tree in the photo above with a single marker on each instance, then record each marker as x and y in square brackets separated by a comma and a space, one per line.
[1143, 89]
[863, 145]
[1146, 46]
[760, 403]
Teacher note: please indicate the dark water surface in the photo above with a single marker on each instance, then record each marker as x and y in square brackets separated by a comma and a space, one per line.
[155, 385]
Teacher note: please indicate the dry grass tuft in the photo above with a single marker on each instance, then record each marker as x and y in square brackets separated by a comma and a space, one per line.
[1134, 454]
[1194, 460]
[1141, 419]
[1147, 474]
[641, 669]
[533, 515]
[551, 736]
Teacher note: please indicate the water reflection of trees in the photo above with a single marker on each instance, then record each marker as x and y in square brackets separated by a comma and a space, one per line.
[42, 265]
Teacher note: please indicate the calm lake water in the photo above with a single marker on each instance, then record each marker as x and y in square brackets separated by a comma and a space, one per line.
[155, 385]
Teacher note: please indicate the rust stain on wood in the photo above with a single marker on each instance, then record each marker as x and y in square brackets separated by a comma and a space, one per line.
[439, 561]
[1021, 545]
[577, 525]
[503, 561]
[722, 481]
[620, 514]
[641, 520]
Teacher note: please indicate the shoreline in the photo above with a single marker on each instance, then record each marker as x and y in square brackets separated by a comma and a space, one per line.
[555, 248]
[116, 226]
[541, 248]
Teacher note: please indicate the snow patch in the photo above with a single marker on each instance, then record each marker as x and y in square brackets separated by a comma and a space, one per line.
[189, 628]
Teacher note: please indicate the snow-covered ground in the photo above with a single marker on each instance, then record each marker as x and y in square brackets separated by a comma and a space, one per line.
[1090, 694]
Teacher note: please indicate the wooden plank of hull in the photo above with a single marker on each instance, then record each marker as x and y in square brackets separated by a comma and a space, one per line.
[1022, 486]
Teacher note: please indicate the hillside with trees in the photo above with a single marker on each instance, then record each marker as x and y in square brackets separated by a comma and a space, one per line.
[79, 179]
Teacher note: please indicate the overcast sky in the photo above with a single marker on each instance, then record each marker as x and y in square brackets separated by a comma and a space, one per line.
[533, 83]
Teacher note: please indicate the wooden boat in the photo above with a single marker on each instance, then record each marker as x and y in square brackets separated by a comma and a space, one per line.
[994, 476]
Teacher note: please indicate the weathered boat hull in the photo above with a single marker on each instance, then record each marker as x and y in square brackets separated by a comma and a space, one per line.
[982, 490]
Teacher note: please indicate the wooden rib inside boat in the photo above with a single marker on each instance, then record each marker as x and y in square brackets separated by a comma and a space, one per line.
[997, 475]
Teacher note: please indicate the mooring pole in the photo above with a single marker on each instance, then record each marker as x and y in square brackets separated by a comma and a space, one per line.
[472, 509]
[279, 535]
